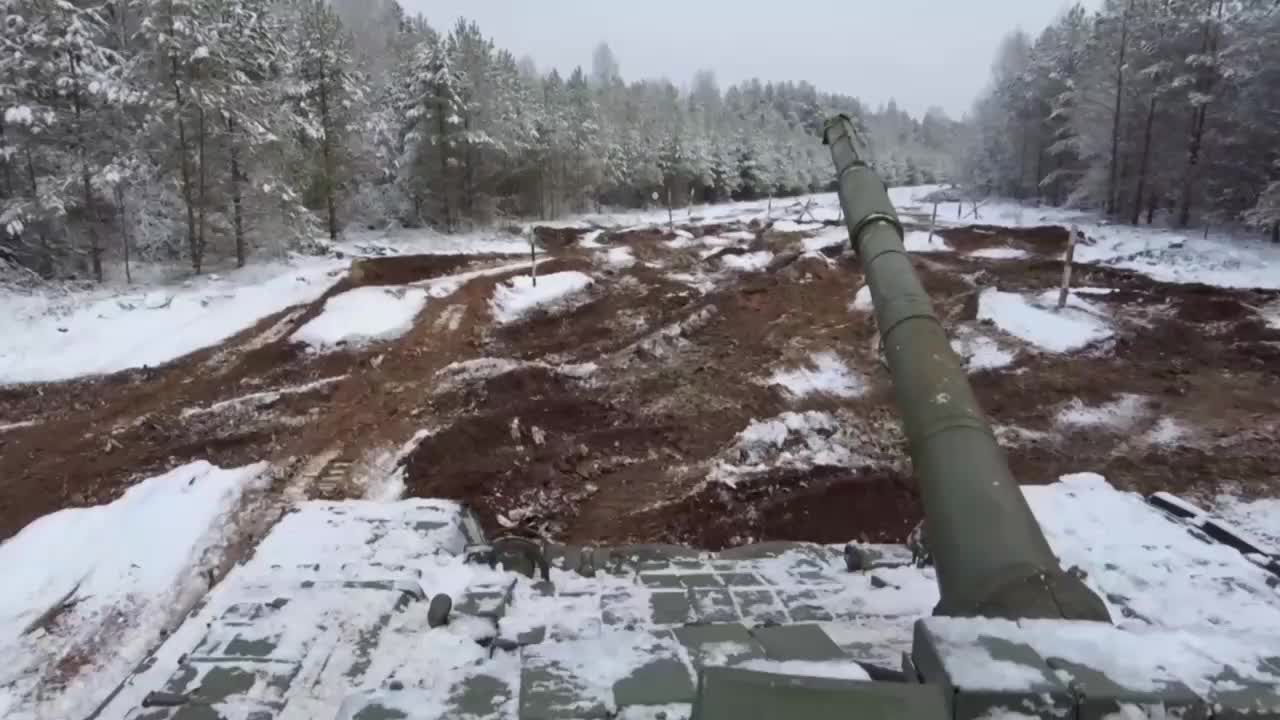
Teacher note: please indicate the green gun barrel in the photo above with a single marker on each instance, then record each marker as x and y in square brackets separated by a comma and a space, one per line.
[991, 556]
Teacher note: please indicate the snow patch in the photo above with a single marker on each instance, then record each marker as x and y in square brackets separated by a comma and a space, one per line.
[920, 242]
[591, 240]
[260, 399]
[519, 296]
[981, 352]
[363, 315]
[1271, 315]
[831, 237]
[4, 427]
[862, 300]
[698, 281]
[463, 372]
[829, 375]
[748, 262]
[1167, 431]
[1119, 414]
[790, 226]
[1055, 331]
[620, 257]
[838, 669]
[790, 440]
[999, 253]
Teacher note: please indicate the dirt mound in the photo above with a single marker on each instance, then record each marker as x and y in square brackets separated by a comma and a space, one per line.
[405, 269]
[824, 504]
[558, 238]
[1041, 240]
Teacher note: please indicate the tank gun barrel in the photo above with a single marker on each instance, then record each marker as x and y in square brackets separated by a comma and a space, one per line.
[991, 556]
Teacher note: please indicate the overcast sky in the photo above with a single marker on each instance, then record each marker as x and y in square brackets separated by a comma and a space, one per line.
[919, 52]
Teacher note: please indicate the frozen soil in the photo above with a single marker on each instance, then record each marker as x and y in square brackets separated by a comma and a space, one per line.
[626, 413]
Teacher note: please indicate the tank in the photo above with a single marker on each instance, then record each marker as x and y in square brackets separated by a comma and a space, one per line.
[992, 558]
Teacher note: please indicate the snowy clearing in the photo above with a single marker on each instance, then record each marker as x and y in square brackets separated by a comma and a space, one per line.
[518, 296]
[363, 315]
[1055, 331]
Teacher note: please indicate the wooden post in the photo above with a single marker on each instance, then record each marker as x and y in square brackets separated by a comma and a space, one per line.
[1066, 267]
[124, 232]
[533, 260]
[671, 223]
[933, 222]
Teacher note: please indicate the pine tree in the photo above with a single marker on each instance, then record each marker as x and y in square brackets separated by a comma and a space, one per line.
[326, 90]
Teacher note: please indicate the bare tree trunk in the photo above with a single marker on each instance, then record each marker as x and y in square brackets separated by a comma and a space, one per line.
[1144, 162]
[533, 260]
[124, 232]
[95, 247]
[671, 222]
[326, 154]
[1204, 86]
[468, 177]
[203, 186]
[8, 169]
[46, 258]
[442, 128]
[932, 223]
[237, 210]
[1115, 117]
[1151, 207]
[184, 168]
[1275, 232]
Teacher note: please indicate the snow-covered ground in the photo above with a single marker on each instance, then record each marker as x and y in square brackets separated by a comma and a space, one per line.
[45, 336]
[98, 585]
[1169, 255]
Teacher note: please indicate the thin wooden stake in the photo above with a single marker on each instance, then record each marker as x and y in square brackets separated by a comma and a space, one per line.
[1066, 268]
[533, 261]
[932, 223]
